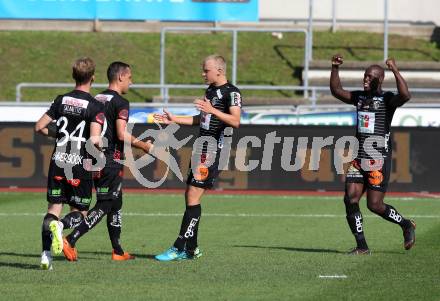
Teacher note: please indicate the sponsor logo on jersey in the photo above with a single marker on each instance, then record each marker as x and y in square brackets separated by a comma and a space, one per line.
[235, 99]
[75, 102]
[376, 104]
[100, 118]
[104, 97]
[219, 94]
[378, 98]
[387, 141]
[366, 122]
[72, 110]
[123, 114]
[215, 101]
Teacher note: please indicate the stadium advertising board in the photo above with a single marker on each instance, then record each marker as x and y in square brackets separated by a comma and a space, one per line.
[166, 10]
[25, 157]
[407, 116]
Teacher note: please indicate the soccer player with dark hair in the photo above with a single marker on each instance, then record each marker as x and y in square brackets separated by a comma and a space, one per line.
[108, 181]
[78, 117]
[220, 108]
[370, 170]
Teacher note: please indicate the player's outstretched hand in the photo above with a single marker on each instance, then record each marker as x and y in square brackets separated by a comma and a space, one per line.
[337, 60]
[204, 105]
[391, 64]
[165, 118]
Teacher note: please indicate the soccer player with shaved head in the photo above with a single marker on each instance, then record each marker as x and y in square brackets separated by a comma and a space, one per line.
[219, 110]
[370, 171]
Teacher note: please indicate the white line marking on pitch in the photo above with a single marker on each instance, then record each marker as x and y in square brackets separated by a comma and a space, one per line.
[430, 195]
[332, 276]
[159, 214]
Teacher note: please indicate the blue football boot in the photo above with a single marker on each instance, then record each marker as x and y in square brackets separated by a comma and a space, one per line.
[172, 254]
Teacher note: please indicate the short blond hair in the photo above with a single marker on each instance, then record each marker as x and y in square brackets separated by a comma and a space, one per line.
[83, 70]
[219, 61]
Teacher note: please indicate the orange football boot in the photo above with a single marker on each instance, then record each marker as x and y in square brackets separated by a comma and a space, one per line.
[125, 256]
[70, 253]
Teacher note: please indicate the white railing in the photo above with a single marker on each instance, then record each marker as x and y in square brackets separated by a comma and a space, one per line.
[312, 90]
[307, 50]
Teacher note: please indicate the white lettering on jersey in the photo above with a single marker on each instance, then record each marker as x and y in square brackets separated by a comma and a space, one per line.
[75, 102]
[73, 159]
[387, 140]
[366, 122]
[219, 94]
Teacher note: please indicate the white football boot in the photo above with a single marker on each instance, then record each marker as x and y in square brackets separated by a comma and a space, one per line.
[46, 261]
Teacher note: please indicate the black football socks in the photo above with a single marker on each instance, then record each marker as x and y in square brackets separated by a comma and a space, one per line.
[72, 220]
[114, 225]
[390, 214]
[93, 217]
[189, 228]
[355, 222]
[45, 231]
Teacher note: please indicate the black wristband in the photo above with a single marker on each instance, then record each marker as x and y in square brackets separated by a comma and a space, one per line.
[52, 129]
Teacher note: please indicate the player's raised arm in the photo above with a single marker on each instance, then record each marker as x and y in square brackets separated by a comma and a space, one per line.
[335, 81]
[403, 94]
[232, 119]
[168, 118]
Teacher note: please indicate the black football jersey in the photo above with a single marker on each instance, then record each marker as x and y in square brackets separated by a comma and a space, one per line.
[222, 98]
[374, 117]
[73, 113]
[116, 107]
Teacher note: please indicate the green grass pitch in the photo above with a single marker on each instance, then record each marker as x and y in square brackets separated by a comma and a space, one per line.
[256, 247]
